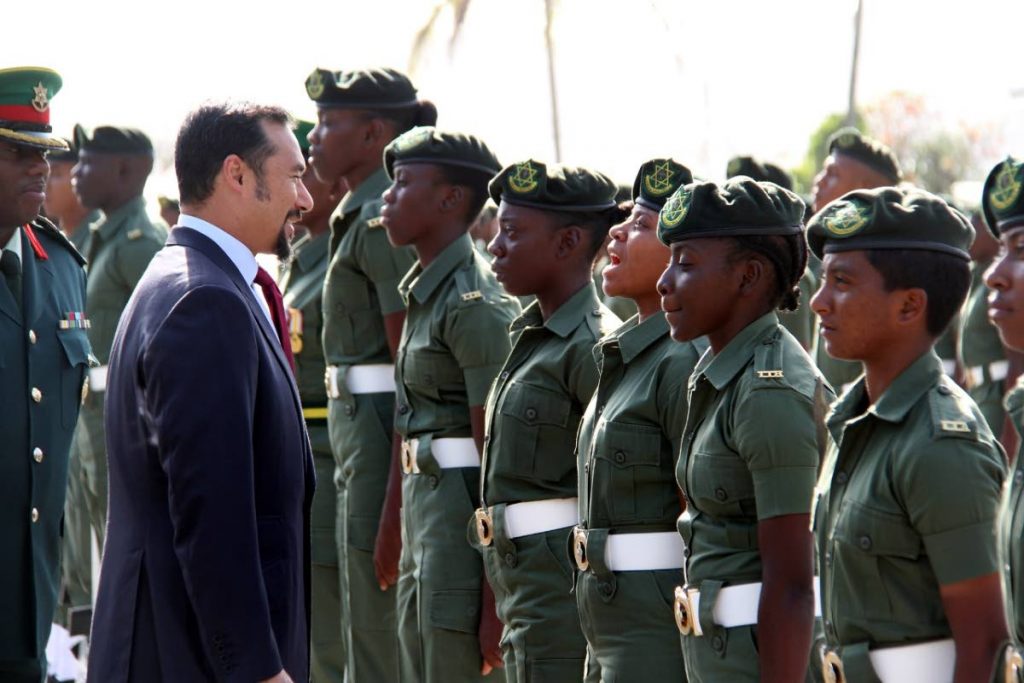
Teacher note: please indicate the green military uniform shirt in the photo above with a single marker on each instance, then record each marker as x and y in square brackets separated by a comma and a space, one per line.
[906, 502]
[44, 353]
[750, 450]
[1011, 524]
[980, 348]
[454, 342]
[119, 250]
[79, 234]
[802, 323]
[302, 289]
[626, 455]
[362, 278]
[537, 401]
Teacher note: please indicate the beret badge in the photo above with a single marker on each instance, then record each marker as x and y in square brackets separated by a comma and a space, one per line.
[524, 179]
[315, 85]
[658, 181]
[1006, 190]
[846, 218]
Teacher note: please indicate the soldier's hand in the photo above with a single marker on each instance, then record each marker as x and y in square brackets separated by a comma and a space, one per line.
[387, 549]
[489, 632]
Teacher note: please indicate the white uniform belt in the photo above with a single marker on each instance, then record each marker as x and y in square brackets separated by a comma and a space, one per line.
[448, 454]
[538, 516]
[932, 662]
[98, 378]
[644, 551]
[376, 378]
[735, 606]
[997, 371]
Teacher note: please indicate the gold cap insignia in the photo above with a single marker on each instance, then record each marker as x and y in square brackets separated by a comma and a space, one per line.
[658, 182]
[676, 208]
[41, 101]
[412, 139]
[524, 179]
[1006, 190]
[847, 218]
[315, 85]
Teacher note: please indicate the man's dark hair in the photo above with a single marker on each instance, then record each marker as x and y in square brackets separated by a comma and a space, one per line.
[423, 113]
[213, 132]
[475, 183]
[944, 278]
[788, 256]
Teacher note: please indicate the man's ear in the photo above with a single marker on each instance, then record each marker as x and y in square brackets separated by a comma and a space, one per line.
[752, 272]
[233, 172]
[453, 198]
[568, 241]
[913, 306]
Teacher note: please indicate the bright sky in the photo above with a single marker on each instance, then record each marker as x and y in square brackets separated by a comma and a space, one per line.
[695, 79]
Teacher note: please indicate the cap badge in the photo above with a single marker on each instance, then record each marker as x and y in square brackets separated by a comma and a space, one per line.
[676, 208]
[41, 102]
[1007, 188]
[315, 85]
[524, 179]
[847, 218]
[659, 181]
[412, 139]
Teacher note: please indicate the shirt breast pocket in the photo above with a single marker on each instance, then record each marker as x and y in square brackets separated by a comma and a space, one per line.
[721, 486]
[354, 313]
[538, 437]
[629, 479]
[430, 374]
[76, 350]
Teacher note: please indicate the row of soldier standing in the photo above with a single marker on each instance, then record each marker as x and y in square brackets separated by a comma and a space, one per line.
[671, 465]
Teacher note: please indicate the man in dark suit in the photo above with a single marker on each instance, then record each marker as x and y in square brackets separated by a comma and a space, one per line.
[206, 566]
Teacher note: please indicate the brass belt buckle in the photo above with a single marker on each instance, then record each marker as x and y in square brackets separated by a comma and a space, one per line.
[579, 548]
[484, 526]
[1014, 665]
[408, 458]
[832, 667]
[683, 608]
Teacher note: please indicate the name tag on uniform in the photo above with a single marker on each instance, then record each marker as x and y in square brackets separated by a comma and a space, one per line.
[74, 320]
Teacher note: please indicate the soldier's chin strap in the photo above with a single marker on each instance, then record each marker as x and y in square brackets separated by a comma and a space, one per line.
[34, 241]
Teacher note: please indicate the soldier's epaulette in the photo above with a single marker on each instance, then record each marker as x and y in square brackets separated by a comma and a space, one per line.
[133, 234]
[467, 284]
[951, 413]
[377, 222]
[43, 226]
[768, 361]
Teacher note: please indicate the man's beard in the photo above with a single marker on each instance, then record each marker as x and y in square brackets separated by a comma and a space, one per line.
[283, 247]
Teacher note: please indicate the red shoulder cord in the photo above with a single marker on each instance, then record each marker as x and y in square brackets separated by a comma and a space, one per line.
[34, 241]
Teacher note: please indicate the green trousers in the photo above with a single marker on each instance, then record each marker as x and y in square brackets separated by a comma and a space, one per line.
[532, 580]
[327, 646]
[76, 546]
[360, 433]
[628, 622]
[440, 581]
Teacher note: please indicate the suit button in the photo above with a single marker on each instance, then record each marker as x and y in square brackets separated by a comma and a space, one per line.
[864, 542]
[531, 413]
[31, 336]
[620, 457]
[37, 454]
[35, 515]
[403, 409]
[721, 494]
[841, 477]
[37, 395]
[432, 481]
[510, 560]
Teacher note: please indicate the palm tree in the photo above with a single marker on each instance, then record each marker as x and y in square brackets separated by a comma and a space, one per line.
[459, 8]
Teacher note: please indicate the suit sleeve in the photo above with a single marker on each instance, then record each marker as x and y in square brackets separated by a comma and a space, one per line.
[199, 371]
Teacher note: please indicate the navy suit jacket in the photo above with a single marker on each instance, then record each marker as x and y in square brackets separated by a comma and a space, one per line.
[205, 573]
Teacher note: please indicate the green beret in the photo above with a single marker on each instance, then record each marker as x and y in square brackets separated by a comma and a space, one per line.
[1002, 201]
[740, 207]
[553, 188]
[868, 151]
[428, 145]
[301, 130]
[25, 94]
[112, 140]
[890, 218]
[362, 89]
[657, 180]
[758, 170]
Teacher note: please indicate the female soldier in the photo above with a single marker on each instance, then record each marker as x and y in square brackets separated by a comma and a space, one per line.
[626, 459]
[750, 449]
[358, 114]
[551, 222]
[1003, 205]
[454, 341]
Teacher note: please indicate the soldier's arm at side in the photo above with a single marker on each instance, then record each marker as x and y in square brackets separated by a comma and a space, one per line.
[974, 608]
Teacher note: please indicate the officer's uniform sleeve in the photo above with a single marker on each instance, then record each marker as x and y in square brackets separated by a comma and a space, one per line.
[775, 435]
[951, 491]
[383, 264]
[478, 338]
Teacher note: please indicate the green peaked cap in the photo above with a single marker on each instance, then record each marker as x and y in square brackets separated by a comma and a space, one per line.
[428, 145]
[890, 218]
[656, 180]
[739, 207]
[553, 188]
[1002, 201]
[25, 94]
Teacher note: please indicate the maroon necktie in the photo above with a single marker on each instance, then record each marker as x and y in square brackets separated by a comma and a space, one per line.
[273, 297]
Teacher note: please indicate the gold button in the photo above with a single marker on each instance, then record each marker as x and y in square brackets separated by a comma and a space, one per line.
[31, 336]
[37, 454]
[35, 515]
[37, 395]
